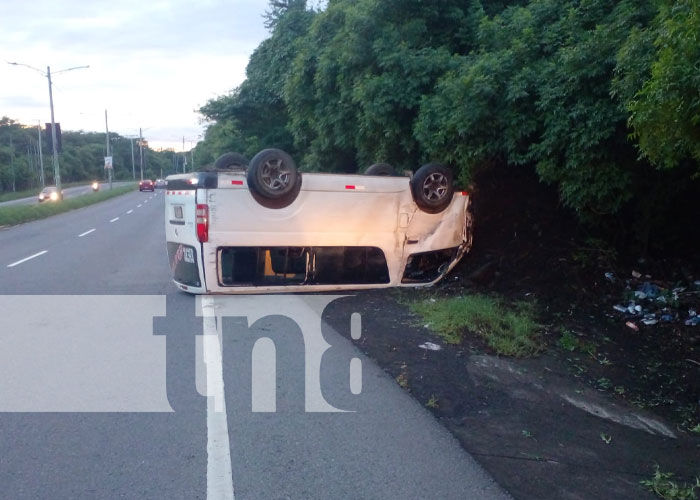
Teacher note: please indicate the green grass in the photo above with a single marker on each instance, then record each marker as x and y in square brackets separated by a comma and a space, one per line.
[509, 330]
[12, 215]
[569, 341]
[664, 487]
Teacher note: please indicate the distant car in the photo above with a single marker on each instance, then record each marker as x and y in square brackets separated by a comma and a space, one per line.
[95, 186]
[50, 194]
[160, 183]
[146, 185]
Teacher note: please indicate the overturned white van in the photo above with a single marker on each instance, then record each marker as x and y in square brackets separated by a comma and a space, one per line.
[266, 227]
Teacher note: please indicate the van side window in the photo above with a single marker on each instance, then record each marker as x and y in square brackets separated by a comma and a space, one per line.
[349, 266]
[270, 266]
[263, 266]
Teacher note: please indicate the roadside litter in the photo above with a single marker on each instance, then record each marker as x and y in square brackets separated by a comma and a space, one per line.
[652, 302]
[429, 346]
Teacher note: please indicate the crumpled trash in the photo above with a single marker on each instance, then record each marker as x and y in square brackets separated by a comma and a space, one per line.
[610, 277]
[658, 301]
[634, 308]
[649, 290]
[429, 346]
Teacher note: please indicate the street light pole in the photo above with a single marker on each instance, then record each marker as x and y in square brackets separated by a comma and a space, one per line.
[109, 170]
[141, 151]
[133, 168]
[56, 171]
[41, 156]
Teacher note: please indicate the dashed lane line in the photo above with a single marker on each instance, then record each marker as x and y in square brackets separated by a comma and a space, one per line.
[86, 233]
[27, 258]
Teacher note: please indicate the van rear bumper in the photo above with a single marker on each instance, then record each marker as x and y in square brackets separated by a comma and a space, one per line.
[190, 289]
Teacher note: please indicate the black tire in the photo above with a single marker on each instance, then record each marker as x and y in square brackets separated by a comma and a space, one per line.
[432, 188]
[231, 161]
[380, 169]
[273, 174]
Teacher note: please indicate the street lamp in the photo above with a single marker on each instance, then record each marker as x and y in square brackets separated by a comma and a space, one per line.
[141, 130]
[56, 171]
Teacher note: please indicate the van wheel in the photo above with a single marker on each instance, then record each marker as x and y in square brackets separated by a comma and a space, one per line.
[231, 161]
[273, 174]
[380, 169]
[432, 188]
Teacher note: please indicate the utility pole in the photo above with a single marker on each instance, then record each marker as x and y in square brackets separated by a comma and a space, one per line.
[56, 172]
[133, 168]
[41, 156]
[109, 170]
[184, 156]
[141, 151]
[12, 163]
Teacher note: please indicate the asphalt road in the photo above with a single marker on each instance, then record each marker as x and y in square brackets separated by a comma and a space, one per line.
[70, 192]
[103, 363]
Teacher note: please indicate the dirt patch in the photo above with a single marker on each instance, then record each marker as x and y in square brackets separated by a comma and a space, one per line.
[603, 404]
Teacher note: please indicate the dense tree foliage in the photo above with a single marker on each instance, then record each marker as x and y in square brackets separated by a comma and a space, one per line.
[601, 98]
[665, 112]
[254, 115]
[81, 159]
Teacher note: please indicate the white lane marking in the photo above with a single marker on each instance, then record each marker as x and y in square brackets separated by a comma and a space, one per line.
[129, 211]
[137, 206]
[115, 219]
[85, 233]
[219, 475]
[27, 258]
[146, 201]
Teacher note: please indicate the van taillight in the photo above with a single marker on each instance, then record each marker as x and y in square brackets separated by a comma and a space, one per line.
[202, 221]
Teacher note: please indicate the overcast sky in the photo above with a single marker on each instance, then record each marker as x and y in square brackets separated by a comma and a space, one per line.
[152, 63]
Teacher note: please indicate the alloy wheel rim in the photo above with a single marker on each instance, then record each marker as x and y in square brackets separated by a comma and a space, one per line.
[435, 186]
[275, 174]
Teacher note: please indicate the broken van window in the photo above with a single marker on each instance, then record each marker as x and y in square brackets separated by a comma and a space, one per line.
[427, 266]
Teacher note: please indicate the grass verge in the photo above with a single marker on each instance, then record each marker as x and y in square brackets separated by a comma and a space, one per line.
[9, 216]
[508, 330]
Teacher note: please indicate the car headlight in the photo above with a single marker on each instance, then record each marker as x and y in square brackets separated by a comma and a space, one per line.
[41, 196]
[54, 196]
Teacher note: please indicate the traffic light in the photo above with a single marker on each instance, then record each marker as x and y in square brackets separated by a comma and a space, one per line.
[49, 137]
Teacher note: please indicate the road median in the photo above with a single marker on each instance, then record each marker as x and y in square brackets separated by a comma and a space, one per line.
[13, 215]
